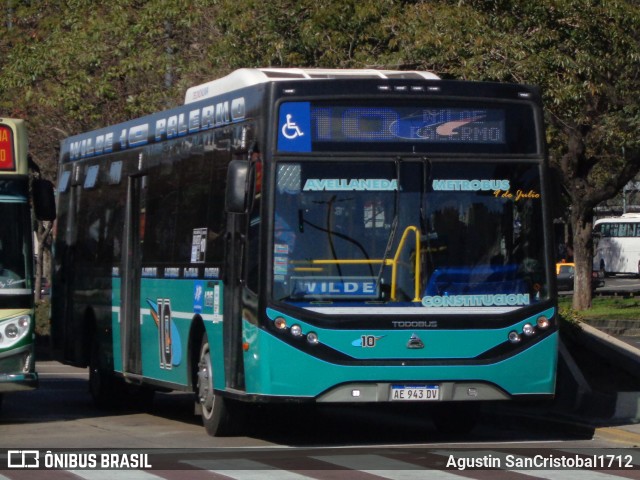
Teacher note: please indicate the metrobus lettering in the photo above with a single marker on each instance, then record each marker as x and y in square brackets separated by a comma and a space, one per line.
[498, 300]
[172, 126]
[338, 184]
[471, 185]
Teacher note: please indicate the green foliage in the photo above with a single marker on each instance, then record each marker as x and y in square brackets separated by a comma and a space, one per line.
[86, 63]
[43, 327]
[604, 308]
[570, 316]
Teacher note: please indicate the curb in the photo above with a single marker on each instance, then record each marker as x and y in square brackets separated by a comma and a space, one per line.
[618, 435]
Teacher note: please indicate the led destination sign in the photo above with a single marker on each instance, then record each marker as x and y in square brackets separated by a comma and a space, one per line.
[306, 127]
[397, 124]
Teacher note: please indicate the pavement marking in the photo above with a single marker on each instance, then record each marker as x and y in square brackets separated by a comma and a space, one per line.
[111, 474]
[244, 469]
[385, 467]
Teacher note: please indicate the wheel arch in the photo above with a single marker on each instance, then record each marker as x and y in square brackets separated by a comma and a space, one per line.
[195, 338]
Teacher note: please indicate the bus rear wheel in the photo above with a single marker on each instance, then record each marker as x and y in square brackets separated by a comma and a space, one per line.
[216, 415]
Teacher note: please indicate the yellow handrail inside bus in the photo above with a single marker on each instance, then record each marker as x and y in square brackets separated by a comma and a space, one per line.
[387, 262]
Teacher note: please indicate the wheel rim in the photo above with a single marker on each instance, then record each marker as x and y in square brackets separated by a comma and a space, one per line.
[205, 382]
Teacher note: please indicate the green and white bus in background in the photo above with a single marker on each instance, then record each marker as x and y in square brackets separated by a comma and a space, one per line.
[313, 236]
[17, 321]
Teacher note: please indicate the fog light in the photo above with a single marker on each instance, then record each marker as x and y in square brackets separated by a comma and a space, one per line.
[514, 337]
[528, 329]
[280, 323]
[543, 322]
[27, 363]
[296, 330]
[312, 338]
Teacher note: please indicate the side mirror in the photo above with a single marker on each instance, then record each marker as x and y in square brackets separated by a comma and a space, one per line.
[44, 201]
[237, 194]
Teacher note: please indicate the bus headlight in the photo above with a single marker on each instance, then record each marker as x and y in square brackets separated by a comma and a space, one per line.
[543, 322]
[280, 323]
[296, 330]
[312, 338]
[514, 337]
[14, 330]
[11, 331]
[528, 329]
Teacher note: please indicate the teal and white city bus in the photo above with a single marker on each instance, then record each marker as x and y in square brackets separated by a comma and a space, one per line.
[17, 321]
[318, 236]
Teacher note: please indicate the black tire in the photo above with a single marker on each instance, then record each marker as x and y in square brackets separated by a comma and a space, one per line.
[110, 392]
[216, 412]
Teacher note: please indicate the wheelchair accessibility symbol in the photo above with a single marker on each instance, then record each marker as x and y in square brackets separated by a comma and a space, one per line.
[290, 130]
[295, 128]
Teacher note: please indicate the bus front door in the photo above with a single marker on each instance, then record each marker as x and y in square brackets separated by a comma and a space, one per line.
[232, 329]
[131, 274]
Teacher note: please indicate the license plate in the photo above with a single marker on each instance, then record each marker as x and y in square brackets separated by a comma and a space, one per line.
[415, 392]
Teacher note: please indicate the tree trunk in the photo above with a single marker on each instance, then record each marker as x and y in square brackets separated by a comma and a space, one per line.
[583, 257]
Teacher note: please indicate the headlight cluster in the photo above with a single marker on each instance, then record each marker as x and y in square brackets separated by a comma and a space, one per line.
[14, 330]
[295, 331]
[529, 330]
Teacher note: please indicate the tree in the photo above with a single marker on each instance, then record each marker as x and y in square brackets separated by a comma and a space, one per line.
[583, 54]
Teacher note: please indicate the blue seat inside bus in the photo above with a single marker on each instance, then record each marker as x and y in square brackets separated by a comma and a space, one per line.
[477, 280]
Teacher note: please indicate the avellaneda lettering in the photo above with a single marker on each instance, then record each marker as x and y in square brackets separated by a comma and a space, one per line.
[343, 184]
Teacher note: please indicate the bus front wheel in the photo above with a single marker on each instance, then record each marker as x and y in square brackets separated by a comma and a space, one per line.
[216, 416]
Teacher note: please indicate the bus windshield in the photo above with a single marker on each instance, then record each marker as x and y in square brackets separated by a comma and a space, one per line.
[14, 257]
[447, 235]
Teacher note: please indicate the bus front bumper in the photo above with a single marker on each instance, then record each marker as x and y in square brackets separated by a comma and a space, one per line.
[383, 392]
[17, 371]
[15, 382]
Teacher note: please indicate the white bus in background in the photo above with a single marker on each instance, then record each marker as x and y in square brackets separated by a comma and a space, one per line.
[617, 244]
